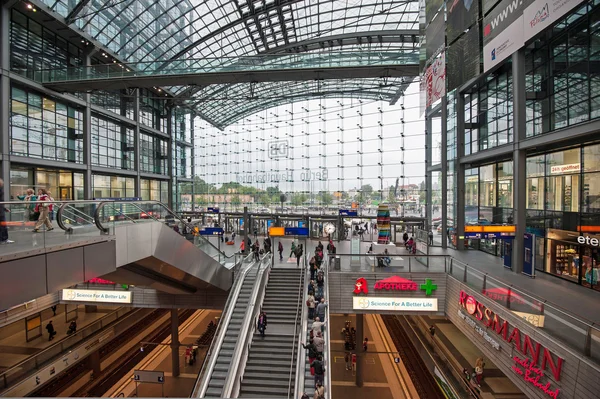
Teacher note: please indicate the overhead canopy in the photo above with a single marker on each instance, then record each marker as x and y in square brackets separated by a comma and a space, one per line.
[160, 30]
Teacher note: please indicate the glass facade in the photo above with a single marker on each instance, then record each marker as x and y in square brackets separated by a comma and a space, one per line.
[112, 144]
[41, 127]
[153, 154]
[104, 186]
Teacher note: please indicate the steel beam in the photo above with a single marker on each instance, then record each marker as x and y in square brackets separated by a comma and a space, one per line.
[282, 75]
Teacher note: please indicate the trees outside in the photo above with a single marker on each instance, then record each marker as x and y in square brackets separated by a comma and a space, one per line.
[325, 198]
[298, 199]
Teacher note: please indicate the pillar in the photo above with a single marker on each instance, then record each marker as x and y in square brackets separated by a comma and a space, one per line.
[459, 172]
[428, 174]
[359, 352]
[91, 309]
[136, 142]
[519, 160]
[94, 363]
[175, 342]
[5, 98]
[444, 164]
[170, 149]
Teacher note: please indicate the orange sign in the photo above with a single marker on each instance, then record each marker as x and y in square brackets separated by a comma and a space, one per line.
[490, 229]
[277, 231]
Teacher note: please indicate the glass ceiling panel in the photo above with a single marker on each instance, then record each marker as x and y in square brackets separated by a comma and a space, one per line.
[148, 30]
[223, 105]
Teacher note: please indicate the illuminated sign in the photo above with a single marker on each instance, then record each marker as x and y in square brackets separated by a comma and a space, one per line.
[211, 209]
[211, 231]
[396, 283]
[96, 296]
[558, 169]
[395, 304]
[296, 231]
[361, 286]
[346, 212]
[526, 346]
[490, 228]
[276, 231]
[587, 240]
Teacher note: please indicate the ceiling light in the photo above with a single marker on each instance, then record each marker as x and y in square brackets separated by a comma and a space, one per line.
[29, 6]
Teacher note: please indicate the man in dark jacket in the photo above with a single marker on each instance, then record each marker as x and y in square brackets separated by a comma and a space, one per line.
[3, 229]
[312, 351]
[319, 370]
[51, 331]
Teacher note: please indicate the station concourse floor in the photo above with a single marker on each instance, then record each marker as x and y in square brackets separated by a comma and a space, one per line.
[14, 347]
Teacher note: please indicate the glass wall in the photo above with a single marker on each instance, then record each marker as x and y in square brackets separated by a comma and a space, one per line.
[153, 154]
[41, 127]
[61, 184]
[154, 190]
[104, 186]
[112, 144]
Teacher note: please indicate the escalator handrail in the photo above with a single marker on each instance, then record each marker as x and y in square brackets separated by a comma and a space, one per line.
[242, 347]
[59, 217]
[327, 335]
[202, 382]
[169, 211]
[301, 352]
[299, 309]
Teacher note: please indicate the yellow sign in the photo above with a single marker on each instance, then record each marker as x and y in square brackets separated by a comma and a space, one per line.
[490, 229]
[536, 320]
[277, 231]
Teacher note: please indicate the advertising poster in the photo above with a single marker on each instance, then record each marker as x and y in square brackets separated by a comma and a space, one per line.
[542, 14]
[463, 59]
[462, 14]
[435, 80]
[503, 32]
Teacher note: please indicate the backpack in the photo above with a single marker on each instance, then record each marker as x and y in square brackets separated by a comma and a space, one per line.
[307, 302]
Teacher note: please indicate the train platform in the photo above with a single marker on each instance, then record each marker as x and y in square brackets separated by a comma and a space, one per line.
[451, 345]
[382, 377]
[14, 346]
[160, 360]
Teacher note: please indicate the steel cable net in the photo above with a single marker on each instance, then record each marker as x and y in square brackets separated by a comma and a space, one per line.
[323, 154]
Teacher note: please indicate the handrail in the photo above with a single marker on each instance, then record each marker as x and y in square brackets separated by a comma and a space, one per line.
[203, 380]
[301, 352]
[327, 335]
[150, 215]
[83, 333]
[242, 348]
[298, 314]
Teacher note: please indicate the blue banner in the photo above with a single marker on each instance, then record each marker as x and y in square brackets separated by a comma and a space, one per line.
[529, 254]
[211, 209]
[301, 223]
[348, 212]
[211, 231]
[296, 231]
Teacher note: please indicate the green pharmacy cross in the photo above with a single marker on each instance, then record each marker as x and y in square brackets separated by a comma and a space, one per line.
[428, 287]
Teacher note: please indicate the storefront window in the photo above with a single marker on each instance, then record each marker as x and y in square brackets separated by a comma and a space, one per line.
[20, 180]
[591, 192]
[591, 158]
[563, 162]
[562, 193]
[113, 186]
[487, 185]
[536, 166]
[471, 187]
[535, 193]
[505, 184]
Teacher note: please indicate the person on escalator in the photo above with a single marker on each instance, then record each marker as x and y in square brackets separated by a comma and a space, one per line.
[319, 343]
[312, 352]
[262, 323]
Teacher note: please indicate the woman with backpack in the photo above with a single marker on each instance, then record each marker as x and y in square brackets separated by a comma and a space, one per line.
[44, 208]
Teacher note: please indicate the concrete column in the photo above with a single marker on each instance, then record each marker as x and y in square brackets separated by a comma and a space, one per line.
[170, 144]
[5, 98]
[428, 174]
[193, 159]
[359, 351]
[136, 141]
[519, 160]
[459, 172]
[95, 363]
[88, 192]
[444, 163]
[175, 342]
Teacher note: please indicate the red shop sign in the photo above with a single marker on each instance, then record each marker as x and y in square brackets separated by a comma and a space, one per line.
[528, 347]
[396, 283]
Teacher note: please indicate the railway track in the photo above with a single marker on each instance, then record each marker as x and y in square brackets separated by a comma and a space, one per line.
[113, 373]
[420, 375]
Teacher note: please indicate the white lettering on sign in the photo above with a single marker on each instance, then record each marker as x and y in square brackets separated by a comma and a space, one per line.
[558, 169]
[587, 240]
[96, 296]
[395, 304]
[479, 330]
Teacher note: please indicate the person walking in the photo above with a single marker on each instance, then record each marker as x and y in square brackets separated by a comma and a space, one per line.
[44, 208]
[298, 255]
[310, 302]
[3, 229]
[348, 359]
[319, 343]
[317, 365]
[293, 249]
[51, 330]
[280, 250]
[243, 247]
[321, 308]
[262, 323]
[312, 352]
[53, 310]
[479, 365]
[430, 234]
[319, 391]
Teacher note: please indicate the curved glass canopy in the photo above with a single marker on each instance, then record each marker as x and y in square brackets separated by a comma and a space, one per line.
[159, 30]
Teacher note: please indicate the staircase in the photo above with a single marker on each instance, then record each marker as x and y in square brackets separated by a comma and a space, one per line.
[267, 372]
[222, 366]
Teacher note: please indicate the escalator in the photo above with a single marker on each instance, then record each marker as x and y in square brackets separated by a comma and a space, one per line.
[126, 242]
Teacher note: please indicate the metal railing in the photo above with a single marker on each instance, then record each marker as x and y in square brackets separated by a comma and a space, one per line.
[241, 351]
[327, 336]
[22, 369]
[210, 359]
[301, 352]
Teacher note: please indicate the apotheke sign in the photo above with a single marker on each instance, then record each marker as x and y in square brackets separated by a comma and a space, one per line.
[96, 296]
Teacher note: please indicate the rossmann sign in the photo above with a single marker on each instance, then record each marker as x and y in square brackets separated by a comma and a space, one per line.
[537, 358]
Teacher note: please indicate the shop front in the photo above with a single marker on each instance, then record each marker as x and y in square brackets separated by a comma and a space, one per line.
[62, 184]
[573, 256]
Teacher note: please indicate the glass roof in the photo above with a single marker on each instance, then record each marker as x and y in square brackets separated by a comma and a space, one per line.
[158, 30]
[223, 105]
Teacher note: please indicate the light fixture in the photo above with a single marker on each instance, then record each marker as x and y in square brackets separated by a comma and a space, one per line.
[29, 6]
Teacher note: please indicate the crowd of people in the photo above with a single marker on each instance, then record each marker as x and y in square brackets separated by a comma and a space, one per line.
[317, 309]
